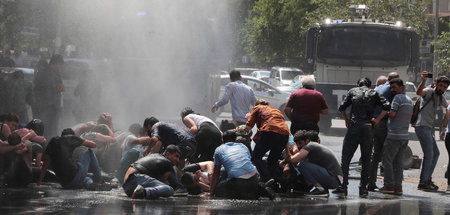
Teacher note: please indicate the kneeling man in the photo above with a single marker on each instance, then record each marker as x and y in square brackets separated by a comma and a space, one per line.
[317, 163]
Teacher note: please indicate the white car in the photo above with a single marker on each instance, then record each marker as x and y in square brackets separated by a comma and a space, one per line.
[261, 75]
[262, 89]
[283, 76]
[410, 90]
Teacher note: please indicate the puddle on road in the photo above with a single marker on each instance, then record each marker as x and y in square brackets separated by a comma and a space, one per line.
[49, 199]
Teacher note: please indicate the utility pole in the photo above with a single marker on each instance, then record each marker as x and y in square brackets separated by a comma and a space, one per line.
[436, 32]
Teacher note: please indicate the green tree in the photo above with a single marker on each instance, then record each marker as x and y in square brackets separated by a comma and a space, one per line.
[10, 24]
[276, 29]
[443, 46]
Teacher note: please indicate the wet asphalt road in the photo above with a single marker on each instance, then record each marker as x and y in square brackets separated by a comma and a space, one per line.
[51, 199]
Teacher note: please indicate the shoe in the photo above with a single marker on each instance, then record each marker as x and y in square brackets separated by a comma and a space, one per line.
[138, 193]
[372, 187]
[269, 193]
[318, 193]
[269, 182]
[398, 192]
[341, 191]
[429, 186]
[363, 192]
[265, 190]
[99, 187]
[387, 190]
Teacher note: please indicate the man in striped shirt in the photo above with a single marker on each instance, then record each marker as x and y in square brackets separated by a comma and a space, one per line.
[241, 96]
[397, 138]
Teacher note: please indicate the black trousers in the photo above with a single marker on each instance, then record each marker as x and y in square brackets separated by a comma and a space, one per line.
[208, 139]
[238, 188]
[362, 135]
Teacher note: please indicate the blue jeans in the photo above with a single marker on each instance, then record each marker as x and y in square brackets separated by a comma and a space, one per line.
[362, 135]
[430, 152]
[130, 157]
[86, 162]
[393, 162]
[313, 174]
[153, 187]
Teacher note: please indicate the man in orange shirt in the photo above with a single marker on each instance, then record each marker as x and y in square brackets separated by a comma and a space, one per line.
[273, 134]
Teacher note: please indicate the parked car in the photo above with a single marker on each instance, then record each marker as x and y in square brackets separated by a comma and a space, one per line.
[410, 90]
[246, 70]
[283, 76]
[262, 89]
[261, 75]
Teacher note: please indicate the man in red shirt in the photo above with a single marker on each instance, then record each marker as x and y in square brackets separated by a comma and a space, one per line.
[305, 106]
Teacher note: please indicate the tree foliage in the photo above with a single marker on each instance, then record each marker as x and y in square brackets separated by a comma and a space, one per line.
[276, 29]
[443, 48]
[10, 24]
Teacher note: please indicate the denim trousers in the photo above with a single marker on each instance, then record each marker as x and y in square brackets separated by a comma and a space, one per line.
[130, 157]
[275, 143]
[393, 162]
[87, 162]
[430, 152]
[362, 135]
[153, 187]
[379, 136]
[313, 174]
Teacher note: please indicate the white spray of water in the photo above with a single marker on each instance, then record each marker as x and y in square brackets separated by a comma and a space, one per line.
[160, 53]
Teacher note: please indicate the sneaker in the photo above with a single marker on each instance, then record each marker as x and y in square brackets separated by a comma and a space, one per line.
[372, 187]
[99, 187]
[363, 192]
[398, 192]
[138, 193]
[387, 190]
[318, 193]
[269, 193]
[341, 191]
[430, 186]
[269, 182]
[265, 190]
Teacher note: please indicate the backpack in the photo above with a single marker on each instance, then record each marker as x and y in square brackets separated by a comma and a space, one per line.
[417, 109]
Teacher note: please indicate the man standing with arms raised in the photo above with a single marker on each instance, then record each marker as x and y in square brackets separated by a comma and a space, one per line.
[432, 99]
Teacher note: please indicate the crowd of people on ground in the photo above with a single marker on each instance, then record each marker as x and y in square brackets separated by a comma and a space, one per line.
[198, 157]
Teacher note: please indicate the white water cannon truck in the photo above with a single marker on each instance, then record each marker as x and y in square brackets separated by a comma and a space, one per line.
[341, 52]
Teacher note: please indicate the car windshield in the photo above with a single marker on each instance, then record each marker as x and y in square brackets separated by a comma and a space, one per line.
[290, 74]
[409, 88]
[264, 74]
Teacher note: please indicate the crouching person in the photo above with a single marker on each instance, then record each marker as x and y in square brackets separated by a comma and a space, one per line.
[72, 158]
[317, 163]
[242, 179]
[148, 178]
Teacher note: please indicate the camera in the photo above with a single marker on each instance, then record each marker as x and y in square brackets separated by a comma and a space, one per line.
[430, 75]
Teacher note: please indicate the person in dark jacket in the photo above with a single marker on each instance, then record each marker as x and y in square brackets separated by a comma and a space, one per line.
[363, 101]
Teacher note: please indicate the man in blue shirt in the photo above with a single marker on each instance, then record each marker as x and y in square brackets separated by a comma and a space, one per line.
[242, 180]
[241, 96]
[379, 132]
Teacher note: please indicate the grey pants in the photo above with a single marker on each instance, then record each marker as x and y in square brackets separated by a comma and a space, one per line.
[393, 162]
